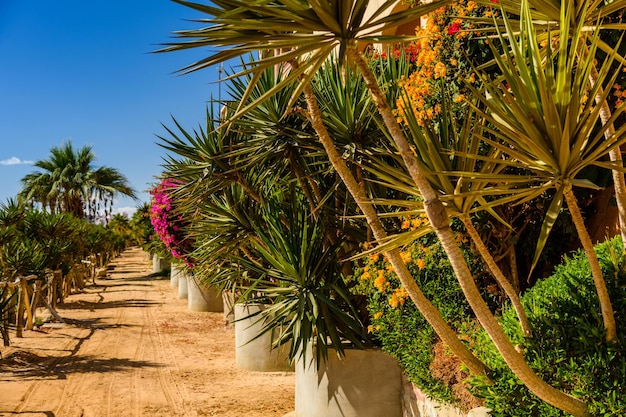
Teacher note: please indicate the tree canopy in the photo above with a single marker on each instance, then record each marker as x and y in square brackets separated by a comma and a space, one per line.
[69, 182]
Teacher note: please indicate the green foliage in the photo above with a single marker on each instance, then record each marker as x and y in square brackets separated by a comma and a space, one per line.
[300, 277]
[567, 350]
[34, 242]
[7, 302]
[397, 324]
[271, 219]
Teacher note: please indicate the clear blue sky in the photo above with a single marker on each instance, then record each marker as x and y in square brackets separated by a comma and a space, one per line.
[83, 71]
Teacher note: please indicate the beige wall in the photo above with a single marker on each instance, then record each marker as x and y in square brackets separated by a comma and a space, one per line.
[406, 29]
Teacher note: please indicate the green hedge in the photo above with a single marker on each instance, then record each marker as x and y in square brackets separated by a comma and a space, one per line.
[568, 348]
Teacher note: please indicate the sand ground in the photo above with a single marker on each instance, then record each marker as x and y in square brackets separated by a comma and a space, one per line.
[130, 347]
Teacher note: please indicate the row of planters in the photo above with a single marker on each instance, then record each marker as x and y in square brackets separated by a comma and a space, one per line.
[46, 257]
[349, 385]
[366, 206]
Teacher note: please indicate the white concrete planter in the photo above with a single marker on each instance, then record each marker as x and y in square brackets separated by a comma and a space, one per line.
[159, 264]
[364, 383]
[203, 299]
[175, 272]
[256, 354]
[182, 286]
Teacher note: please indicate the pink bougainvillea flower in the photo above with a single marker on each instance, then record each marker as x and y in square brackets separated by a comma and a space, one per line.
[167, 224]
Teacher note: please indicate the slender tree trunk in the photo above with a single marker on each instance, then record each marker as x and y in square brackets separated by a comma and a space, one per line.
[440, 222]
[428, 310]
[19, 317]
[498, 275]
[606, 307]
[615, 154]
[514, 272]
[29, 315]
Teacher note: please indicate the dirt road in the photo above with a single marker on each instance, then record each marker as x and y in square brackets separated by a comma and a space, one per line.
[130, 347]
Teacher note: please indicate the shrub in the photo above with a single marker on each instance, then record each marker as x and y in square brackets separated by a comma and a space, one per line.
[568, 349]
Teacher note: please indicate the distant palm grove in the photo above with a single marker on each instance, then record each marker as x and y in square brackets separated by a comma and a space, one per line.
[69, 182]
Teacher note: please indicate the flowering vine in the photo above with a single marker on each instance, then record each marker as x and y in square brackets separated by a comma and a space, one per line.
[167, 224]
[445, 41]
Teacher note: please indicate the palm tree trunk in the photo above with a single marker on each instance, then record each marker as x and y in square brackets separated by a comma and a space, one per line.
[608, 316]
[440, 222]
[498, 275]
[428, 310]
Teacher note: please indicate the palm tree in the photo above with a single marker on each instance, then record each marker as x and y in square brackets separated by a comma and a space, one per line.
[68, 182]
[555, 136]
[303, 34]
[594, 16]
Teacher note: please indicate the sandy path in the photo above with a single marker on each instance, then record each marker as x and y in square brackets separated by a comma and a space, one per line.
[131, 348]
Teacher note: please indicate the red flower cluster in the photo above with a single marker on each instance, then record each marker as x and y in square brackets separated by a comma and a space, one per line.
[166, 223]
[410, 51]
[454, 28]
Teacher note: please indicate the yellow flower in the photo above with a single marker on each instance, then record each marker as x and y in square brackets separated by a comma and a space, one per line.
[378, 315]
[406, 257]
[398, 297]
[394, 301]
[370, 329]
[459, 98]
[421, 263]
[380, 283]
[401, 292]
[365, 276]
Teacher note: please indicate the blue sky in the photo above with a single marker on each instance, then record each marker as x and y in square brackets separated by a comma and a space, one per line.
[83, 71]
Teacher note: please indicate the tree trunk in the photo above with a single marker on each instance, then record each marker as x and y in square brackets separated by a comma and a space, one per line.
[428, 310]
[498, 275]
[440, 222]
[615, 155]
[606, 307]
[19, 317]
[29, 314]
